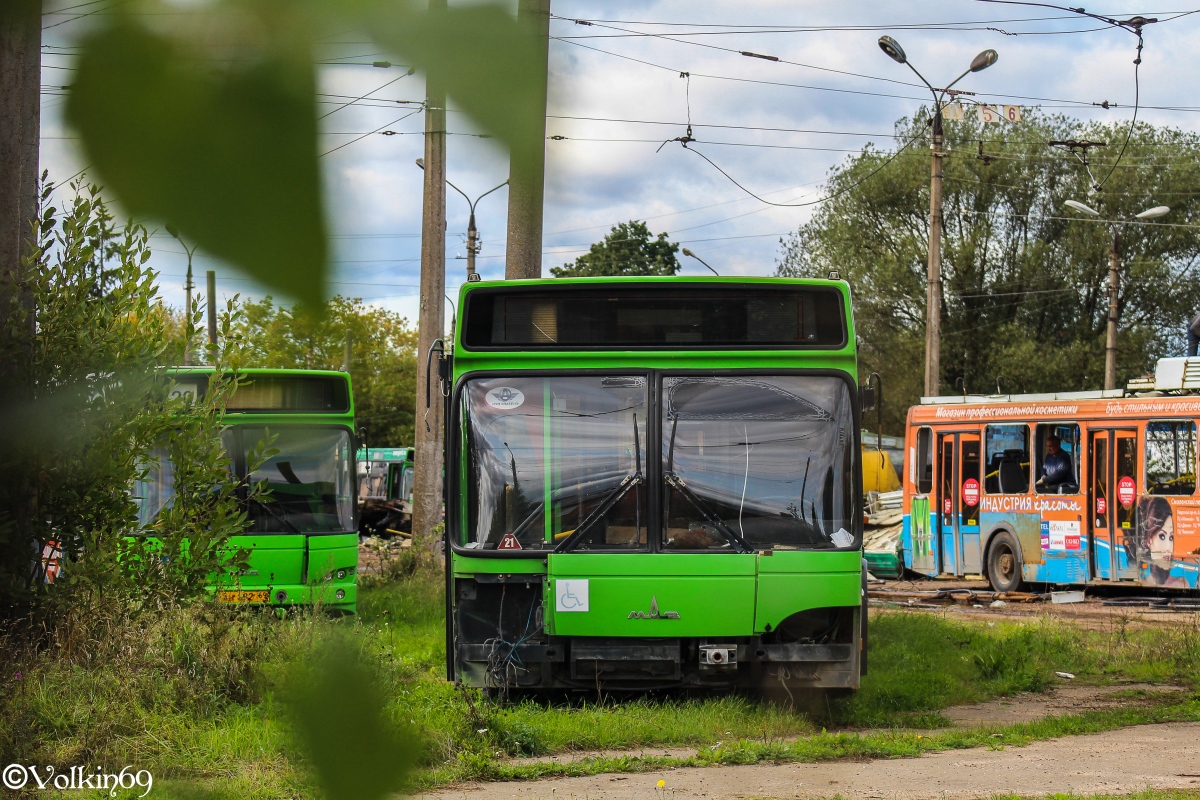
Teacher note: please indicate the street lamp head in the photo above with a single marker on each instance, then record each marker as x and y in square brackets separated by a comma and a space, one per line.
[688, 253]
[984, 60]
[1080, 207]
[893, 49]
[421, 163]
[171, 229]
[1151, 213]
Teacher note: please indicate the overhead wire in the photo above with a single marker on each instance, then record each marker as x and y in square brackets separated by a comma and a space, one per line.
[368, 94]
[841, 191]
[365, 135]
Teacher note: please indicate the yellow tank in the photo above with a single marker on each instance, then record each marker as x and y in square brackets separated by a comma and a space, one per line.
[878, 473]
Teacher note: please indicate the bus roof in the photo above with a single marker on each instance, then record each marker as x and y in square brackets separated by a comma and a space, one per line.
[1071, 406]
[385, 453]
[289, 393]
[636, 320]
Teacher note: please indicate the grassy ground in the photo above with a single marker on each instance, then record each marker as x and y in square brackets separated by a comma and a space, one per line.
[196, 698]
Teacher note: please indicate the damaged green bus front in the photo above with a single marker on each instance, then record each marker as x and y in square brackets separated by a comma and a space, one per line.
[652, 483]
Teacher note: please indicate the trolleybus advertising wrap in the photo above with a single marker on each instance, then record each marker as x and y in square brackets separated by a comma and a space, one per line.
[1081, 488]
[654, 482]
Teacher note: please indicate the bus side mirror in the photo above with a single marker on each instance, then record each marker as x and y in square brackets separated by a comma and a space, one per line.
[871, 394]
[443, 371]
[866, 393]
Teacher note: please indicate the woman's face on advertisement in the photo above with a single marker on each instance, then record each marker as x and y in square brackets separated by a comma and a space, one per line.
[1162, 542]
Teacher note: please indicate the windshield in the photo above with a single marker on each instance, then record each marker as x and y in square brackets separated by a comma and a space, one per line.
[549, 458]
[760, 461]
[372, 484]
[309, 480]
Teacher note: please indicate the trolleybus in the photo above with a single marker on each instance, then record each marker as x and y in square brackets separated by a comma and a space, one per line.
[302, 540]
[1070, 488]
[385, 485]
[654, 482]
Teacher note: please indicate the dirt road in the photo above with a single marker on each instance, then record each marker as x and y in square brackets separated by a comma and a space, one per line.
[1121, 761]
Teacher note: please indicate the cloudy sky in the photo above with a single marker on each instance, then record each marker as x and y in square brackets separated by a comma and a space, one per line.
[616, 94]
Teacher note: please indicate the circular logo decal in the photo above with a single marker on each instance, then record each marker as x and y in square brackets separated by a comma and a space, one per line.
[970, 492]
[505, 397]
[1125, 491]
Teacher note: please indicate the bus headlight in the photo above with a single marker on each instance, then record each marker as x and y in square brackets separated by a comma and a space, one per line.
[340, 594]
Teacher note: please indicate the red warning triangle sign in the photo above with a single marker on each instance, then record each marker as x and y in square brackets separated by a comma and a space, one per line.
[509, 542]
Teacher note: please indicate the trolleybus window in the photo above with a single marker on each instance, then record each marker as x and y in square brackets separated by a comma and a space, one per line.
[155, 490]
[1007, 459]
[550, 456]
[1171, 457]
[402, 481]
[924, 461]
[1058, 471]
[309, 479]
[767, 461]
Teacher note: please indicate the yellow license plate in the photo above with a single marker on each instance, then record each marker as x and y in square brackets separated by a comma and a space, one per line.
[254, 596]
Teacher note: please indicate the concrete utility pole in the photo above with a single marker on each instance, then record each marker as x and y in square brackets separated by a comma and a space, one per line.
[527, 174]
[1114, 281]
[211, 277]
[20, 130]
[427, 477]
[933, 290]
[933, 298]
[1114, 313]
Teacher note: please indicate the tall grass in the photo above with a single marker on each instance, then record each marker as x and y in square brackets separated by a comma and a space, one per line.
[195, 692]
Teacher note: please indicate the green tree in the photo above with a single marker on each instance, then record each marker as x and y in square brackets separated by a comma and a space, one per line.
[627, 250]
[383, 365]
[1024, 279]
[99, 418]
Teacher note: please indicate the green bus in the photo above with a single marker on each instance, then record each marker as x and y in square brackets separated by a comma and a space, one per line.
[303, 542]
[653, 483]
[385, 486]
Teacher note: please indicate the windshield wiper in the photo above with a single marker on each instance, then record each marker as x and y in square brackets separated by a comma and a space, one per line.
[676, 482]
[611, 499]
[287, 523]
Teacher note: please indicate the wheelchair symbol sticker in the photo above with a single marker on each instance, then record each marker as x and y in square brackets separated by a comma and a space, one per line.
[571, 595]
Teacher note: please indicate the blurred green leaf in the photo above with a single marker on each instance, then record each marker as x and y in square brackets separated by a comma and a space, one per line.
[339, 719]
[488, 61]
[216, 134]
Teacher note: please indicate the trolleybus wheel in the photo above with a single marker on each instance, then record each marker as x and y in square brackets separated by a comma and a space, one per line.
[1004, 563]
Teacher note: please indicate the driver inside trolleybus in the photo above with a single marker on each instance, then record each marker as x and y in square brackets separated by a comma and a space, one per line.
[1057, 468]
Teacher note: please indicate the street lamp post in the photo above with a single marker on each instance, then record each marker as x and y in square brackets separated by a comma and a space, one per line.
[933, 301]
[690, 254]
[472, 233]
[187, 288]
[1114, 284]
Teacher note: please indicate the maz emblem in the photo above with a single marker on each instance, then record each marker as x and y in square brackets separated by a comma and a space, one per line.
[654, 612]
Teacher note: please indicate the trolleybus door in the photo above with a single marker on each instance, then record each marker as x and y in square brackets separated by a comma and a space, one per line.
[1112, 495]
[958, 502]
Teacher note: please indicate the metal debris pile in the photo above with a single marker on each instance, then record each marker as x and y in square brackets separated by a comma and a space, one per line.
[937, 598]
